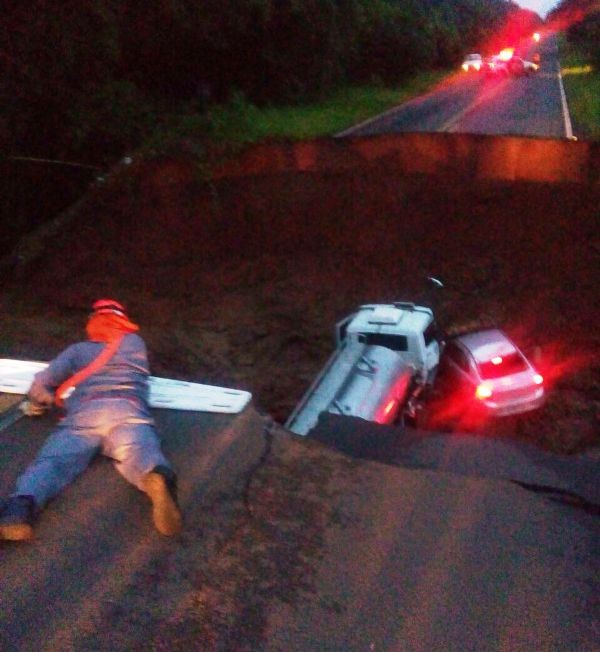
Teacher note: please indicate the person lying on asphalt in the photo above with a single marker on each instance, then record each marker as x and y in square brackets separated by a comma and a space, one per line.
[102, 383]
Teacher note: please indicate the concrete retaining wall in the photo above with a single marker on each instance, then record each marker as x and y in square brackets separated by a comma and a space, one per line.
[470, 156]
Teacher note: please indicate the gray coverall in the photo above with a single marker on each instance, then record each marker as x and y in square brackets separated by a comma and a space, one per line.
[107, 413]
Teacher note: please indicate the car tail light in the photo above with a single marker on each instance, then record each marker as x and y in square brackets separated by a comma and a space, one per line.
[538, 379]
[386, 412]
[388, 408]
[484, 390]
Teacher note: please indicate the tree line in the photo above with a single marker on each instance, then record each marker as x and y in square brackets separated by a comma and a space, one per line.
[88, 78]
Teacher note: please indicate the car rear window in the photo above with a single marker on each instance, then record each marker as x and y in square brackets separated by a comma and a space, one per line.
[513, 363]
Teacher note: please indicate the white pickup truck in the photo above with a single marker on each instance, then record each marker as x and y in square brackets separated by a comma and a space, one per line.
[385, 356]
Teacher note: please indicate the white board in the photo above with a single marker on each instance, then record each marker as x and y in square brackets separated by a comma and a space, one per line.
[16, 377]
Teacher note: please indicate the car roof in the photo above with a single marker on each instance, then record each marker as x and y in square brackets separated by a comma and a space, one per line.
[485, 344]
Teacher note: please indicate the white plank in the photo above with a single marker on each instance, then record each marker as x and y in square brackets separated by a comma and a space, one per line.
[16, 377]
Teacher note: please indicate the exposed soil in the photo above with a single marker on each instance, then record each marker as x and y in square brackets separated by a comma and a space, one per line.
[240, 281]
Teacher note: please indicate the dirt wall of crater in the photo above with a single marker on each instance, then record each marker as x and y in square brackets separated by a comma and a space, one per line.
[239, 280]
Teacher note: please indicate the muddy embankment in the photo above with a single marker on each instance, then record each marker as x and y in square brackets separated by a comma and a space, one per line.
[239, 280]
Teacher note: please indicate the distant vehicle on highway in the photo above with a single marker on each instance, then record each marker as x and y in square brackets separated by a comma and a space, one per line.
[494, 66]
[515, 66]
[472, 63]
[519, 66]
[484, 371]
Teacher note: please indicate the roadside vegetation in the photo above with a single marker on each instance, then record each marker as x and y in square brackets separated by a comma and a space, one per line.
[242, 122]
[581, 78]
[239, 121]
[578, 22]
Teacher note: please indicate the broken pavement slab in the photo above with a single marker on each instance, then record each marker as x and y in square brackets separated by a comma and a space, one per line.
[288, 544]
[426, 560]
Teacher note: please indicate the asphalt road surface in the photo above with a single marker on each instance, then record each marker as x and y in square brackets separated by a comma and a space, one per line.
[289, 544]
[475, 103]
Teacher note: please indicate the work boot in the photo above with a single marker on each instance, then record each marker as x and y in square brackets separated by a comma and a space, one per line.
[161, 486]
[16, 519]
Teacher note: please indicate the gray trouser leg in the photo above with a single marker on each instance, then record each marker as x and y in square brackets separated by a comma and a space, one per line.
[60, 460]
[136, 450]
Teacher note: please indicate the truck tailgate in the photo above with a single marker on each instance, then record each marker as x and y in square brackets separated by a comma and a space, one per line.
[359, 380]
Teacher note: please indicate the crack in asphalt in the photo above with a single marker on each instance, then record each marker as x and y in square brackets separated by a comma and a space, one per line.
[563, 496]
[268, 428]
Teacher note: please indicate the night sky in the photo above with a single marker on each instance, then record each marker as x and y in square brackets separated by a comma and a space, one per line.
[542, 7]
